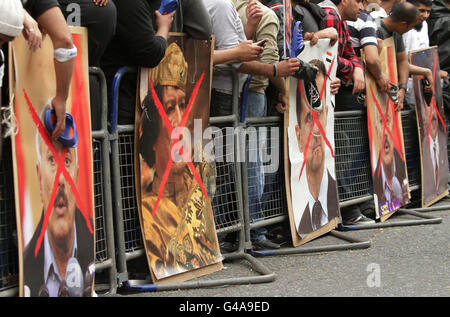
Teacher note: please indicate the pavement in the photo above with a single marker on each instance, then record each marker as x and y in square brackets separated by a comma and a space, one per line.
[401, 261]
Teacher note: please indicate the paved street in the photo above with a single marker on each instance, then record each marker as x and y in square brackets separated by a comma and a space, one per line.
[404, 261]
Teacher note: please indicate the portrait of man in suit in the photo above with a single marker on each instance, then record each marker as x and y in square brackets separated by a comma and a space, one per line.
[390, 183]
[322, 203]
[434, 149]
[63, 264]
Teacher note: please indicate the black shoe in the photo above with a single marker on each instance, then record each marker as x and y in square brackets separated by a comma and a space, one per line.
[227, 247]
[265, 244]
[306, 71]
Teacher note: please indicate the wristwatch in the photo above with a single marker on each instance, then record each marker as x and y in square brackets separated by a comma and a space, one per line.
[402, 86]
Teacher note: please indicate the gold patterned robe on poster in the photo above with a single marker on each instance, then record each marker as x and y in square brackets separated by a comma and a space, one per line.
[181, 235]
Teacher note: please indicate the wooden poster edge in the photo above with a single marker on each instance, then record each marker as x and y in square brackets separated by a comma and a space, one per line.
[446, 192]
[12, 84]
[183, 276]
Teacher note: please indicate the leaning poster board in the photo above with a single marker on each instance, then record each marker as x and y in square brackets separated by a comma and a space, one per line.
[432, 128]
[53, 184]
[311, 177]
[173, 170]
[389, 173]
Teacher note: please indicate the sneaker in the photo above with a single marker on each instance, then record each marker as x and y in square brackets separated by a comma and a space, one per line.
[265, 244]
[360, 220]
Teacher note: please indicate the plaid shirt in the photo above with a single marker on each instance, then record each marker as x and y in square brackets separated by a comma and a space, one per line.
[347, 58]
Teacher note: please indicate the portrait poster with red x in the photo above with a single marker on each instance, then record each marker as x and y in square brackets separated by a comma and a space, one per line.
[311, 177]
[173, 167]
[431, 123]
[53, 182]
[388, 161]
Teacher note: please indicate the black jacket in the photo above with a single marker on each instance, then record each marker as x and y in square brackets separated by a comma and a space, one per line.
[134, 44]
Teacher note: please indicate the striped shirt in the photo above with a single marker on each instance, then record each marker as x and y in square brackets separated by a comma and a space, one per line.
[347, 59]
[363, 32]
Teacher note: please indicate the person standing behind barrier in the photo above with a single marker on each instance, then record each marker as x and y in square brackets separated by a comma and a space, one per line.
[385, 7]
[439, 34]
[232, 48]
[349, 70]
[51, 21]
[136, 43]
[256, 106]
[414, 39]
[192, 18]
[402, 18]
[363, 33]
[99, 17]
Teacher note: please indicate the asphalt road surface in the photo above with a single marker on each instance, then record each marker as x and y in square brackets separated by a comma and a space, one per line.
[400, 261]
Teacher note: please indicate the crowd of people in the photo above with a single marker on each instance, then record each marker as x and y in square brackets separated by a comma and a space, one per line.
[249, 37]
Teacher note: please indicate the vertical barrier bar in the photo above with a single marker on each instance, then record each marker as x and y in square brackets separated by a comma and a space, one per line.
[9, 261]
[105, 257]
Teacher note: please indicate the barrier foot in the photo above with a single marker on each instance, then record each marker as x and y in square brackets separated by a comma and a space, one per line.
[426, 220]
[352, 245]
[140, 286]
[428, 209]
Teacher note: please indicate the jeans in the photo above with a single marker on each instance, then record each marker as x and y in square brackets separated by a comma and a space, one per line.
[224, 200]
[345, 101]
[256, 107]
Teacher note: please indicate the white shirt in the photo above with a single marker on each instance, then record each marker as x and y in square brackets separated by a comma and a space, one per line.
[229, 32]
[52, 277]
[433, 158]
[323, 199]
[415, 40]
[381, 13]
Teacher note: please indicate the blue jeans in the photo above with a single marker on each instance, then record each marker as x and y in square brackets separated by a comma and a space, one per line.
[256, 107]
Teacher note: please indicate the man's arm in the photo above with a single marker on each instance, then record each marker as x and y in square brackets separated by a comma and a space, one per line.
[53, 22]
[253, 14]
[373, 65]
[422, 71]
[403, 74]
[284, 68]
[245, 51]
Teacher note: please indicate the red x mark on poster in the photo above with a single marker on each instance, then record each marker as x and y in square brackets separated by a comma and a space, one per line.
[433, 104]
[315, 119]
[59, 157]
[397, 145]
[170, 128]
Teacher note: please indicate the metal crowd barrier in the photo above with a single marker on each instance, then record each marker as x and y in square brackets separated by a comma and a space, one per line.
[412, 153]
[104, 231]
[9, 261]
[273, 200]
[227, 208]
[104, 226]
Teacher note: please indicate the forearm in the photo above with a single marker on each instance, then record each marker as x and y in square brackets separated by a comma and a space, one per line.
[280, 83]
[63, 73]
[226, 56]
[403, 69]
[373, 63]
[416, 70]
[256, 68]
